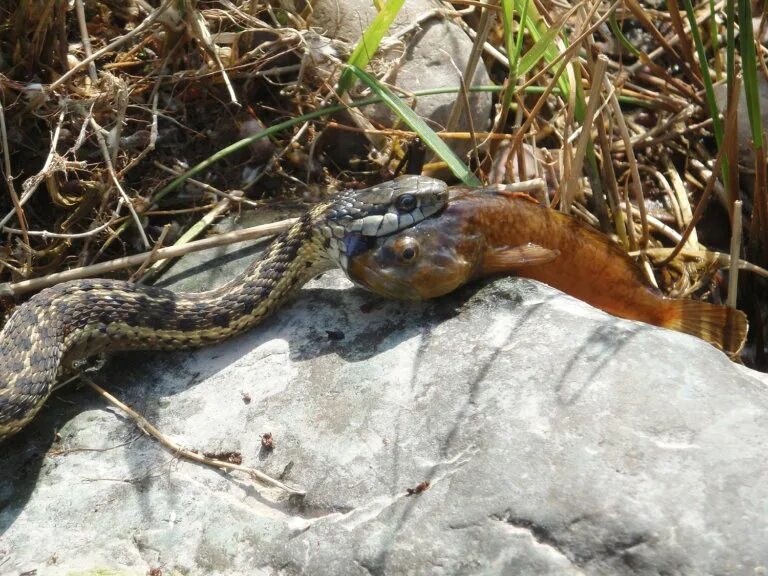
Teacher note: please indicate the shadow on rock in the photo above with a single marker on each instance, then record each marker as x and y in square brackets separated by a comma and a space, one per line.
[350, 323]
[593, 355]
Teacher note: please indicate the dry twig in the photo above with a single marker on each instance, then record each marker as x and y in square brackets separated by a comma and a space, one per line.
[182, 452]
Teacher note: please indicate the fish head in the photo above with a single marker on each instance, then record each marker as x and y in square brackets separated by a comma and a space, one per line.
[425, 261]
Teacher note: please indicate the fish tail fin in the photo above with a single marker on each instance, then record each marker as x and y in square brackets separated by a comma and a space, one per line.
[721, 326]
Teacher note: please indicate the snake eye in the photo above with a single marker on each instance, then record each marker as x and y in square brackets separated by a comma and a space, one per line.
[407, 250]
[406, 203]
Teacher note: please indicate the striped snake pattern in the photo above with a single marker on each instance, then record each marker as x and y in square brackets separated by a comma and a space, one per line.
[46, 337]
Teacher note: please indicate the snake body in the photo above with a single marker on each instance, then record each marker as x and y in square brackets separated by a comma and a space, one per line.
[45, 336]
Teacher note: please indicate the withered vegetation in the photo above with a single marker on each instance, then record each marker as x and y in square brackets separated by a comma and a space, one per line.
[105, 104]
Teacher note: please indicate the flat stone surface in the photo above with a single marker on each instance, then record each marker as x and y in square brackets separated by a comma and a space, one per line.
[556, 440]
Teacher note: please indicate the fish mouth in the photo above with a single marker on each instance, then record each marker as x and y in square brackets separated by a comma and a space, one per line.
[383, 283]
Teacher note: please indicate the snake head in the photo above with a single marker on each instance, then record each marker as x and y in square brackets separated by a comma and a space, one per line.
[388, 207]
[380, 211]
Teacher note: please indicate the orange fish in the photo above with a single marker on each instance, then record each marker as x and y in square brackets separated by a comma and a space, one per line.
[482, 233]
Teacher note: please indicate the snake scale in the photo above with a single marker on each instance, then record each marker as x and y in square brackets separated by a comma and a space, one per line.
[47, 335]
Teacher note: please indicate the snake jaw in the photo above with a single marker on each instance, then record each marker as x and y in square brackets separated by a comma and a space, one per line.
[379, 211]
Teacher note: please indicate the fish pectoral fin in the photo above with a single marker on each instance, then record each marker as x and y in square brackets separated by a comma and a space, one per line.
[507, 259]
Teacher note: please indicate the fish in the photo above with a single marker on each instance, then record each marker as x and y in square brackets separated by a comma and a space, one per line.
[484, 232]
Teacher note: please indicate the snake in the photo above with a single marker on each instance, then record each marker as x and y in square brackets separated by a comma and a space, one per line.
[47, 337]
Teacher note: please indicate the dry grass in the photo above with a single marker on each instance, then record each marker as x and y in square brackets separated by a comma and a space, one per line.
[105, 104]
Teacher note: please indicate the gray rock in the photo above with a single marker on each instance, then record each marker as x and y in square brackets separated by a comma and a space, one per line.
[556, 440]
[433, 55]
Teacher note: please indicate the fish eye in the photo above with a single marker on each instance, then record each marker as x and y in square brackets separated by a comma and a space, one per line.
[406, 203]
[407, 250]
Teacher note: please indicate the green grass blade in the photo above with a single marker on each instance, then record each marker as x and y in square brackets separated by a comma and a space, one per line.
[749, 71]
[717, 124]
[539, 50]
[616, 29]
[514, 49]
[513, 44]
[427, 135]
[369, 43]
[709, 90]
[521, 32]
[537, 28]
[714, 38]
[730, 41]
